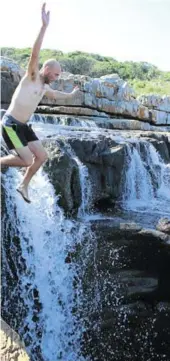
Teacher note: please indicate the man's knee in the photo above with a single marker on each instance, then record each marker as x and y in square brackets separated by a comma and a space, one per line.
[28, 162]
[43, 157]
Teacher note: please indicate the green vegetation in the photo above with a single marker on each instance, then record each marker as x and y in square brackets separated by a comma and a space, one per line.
[143, 77]
[154, 86]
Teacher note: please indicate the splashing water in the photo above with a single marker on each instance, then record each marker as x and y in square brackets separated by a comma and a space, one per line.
[52, 237]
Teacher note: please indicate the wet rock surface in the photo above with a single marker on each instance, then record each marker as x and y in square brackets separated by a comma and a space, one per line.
[105, 157]
[128, 273]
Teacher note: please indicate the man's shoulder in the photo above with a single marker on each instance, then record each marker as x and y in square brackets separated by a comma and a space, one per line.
[27, 79]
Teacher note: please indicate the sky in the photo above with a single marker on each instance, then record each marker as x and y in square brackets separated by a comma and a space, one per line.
[137, 30]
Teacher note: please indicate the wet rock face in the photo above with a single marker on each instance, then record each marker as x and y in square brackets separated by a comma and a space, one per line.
[12, 262]
[161, 141]
[64, 175]
[128, 314]
[104, 160]
[162, 149]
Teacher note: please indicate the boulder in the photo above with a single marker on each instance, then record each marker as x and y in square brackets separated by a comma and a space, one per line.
[11, 74]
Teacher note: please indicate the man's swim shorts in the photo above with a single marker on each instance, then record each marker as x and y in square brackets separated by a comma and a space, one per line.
[16, 134]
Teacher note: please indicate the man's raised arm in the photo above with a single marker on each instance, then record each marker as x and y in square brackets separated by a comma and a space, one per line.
[34, 59]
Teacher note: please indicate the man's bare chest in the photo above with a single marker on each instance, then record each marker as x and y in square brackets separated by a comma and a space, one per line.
[35, 91]
[27, 93]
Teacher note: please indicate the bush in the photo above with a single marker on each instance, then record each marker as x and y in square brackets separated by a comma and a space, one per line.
[143, 76]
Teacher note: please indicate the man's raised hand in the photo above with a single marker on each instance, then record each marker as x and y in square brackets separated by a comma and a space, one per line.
[45, 16]
[75, 91]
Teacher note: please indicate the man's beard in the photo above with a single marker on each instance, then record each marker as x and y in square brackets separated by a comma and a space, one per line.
[46, 79]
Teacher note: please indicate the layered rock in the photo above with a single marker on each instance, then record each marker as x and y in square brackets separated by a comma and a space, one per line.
[160, 107]
[78, 111]
[111, 95]
[108, 94]
[156, 102]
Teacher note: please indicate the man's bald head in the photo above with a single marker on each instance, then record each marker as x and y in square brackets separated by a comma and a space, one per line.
[51, 70]
[51, 63]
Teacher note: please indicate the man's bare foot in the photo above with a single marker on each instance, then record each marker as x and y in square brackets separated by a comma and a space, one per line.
[24, 193]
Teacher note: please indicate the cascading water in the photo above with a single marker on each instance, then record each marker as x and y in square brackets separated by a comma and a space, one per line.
[147, 180]
[86, 192]
[62, 120]
[70, 293]
[51, 237]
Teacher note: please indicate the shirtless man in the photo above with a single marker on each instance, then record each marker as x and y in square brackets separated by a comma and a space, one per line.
[32, 87]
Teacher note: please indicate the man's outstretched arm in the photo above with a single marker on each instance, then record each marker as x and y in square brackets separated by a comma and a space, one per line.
[56, 94]
[34, 59]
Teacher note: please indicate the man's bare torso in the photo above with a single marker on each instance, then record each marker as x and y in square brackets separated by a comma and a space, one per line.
[26, 98]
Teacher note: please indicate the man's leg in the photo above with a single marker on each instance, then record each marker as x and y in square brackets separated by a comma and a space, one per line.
[40, 156]
[24, 159]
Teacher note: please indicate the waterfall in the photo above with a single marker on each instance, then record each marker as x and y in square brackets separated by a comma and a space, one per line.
[85, 189]
[85, 184]
[147, 179]
[63, 120]
[52, 238]
[64, 258]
